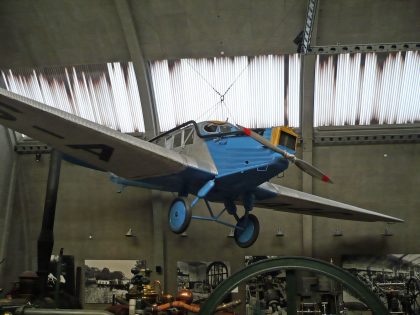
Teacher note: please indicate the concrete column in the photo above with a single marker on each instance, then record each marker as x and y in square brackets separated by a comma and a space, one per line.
[308, 80]
[159, 241]
[140, 68]
[7, 192]
[151, 129]
[307, 125]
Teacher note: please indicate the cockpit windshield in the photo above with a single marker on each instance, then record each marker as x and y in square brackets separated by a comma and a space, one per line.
[211, 127]
[205, 129]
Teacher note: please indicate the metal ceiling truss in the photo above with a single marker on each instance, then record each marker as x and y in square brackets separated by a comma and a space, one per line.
[386, 134]
[360, 48]
[343, 49]
[309, 25]
[31, 147]
[325, 136]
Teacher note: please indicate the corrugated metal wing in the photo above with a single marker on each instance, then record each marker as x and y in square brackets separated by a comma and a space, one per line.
[261, 91]
[365, 89]
[106, 94]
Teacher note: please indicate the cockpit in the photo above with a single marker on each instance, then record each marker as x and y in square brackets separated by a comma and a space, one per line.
[184, 134]
[216, 127]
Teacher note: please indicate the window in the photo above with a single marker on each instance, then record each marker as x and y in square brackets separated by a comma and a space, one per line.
[169, 142]
[367, 88]
[188, 136]
[256, 91]
[288, 140]
[225, 128]
[210, 128]
[104, 93]
[178, 140]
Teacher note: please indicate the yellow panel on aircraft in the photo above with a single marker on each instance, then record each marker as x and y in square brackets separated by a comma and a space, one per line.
[277, 135]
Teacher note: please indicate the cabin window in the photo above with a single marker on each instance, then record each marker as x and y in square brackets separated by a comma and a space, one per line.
[225, 128]
[188, 136]
[210, 128]
[168, 142]
[177, 140]
[288, 141]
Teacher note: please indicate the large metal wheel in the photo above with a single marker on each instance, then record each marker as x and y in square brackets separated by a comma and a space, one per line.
[246, 231]
[291, 264]
[179, 216]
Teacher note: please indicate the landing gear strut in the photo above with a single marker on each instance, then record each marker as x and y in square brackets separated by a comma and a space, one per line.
[247, 227]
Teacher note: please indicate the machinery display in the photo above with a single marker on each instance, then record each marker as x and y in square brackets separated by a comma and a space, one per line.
[395, 280]
[284, 296]
[147, 298]
[201, 277]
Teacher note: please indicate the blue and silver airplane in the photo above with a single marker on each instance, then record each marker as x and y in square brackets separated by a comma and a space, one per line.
[213, 161]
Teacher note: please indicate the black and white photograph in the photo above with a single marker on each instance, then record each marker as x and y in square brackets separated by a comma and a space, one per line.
[267, 293]
[395, 278]
[201, 277]
[107, 278]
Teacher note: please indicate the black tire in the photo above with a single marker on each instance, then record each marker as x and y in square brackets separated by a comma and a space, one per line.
[248, 239]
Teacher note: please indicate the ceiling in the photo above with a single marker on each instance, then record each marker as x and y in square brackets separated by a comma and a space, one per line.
[50, 32]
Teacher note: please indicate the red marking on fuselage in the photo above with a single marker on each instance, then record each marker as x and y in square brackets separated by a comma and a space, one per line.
[247, 131]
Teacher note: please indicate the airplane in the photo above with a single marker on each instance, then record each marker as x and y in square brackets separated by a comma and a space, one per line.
[214, 161]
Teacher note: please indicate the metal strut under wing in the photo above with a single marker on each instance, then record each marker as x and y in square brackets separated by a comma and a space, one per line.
[99, 146]
[281, 198]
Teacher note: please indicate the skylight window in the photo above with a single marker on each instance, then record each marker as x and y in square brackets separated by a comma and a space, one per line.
[106, 94]
[365, 89]
[261, 91]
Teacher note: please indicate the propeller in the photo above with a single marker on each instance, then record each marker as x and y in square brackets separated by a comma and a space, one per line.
[304, 166]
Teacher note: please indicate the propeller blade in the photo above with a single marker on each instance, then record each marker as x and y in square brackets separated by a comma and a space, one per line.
[304, 166]
[312, 170]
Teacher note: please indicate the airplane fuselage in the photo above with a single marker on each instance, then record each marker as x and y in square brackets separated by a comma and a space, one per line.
[241, 163]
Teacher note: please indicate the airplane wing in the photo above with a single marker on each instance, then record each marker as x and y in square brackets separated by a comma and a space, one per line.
[96, 145]
[281, 198]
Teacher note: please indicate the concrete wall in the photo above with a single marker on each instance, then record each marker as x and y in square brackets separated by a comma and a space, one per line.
[88, 204]
[49, 32]
[363, 22]
[6, 158]
[7, 178]
[385, 178]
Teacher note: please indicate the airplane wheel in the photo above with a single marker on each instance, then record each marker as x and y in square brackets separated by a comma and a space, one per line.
[179, 216]
[246, 236]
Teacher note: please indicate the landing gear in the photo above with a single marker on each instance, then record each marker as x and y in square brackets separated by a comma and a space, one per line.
[179, 216]
[247, 227]
[246, 230]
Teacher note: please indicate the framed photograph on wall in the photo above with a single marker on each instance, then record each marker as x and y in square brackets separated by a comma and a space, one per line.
[201, 277]
[107, 278]
[395, 278]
